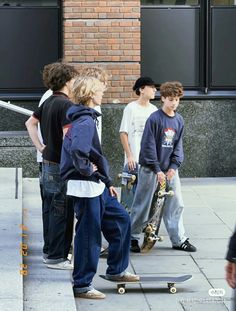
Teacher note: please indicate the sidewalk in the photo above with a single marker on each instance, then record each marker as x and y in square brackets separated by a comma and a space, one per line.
[209, 219]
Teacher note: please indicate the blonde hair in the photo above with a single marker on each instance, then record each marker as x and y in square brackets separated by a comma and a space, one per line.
[96, 72]
[84, 88]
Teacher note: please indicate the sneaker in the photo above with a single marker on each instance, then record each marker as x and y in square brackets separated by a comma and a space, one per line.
[126, 277]
[186, 246]
[134, 246]
[64, 265]
[45, 257]
[91, 294]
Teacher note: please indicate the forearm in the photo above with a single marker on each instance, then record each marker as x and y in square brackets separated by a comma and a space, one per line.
[125, 144]
[33, 133]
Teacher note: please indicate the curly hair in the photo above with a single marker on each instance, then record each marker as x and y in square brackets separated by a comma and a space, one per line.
[56, 75]
[171, 89]
[84, 88]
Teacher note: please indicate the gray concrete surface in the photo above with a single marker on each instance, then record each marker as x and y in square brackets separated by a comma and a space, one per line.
[210, 214]
[11, 285]
[44, 289]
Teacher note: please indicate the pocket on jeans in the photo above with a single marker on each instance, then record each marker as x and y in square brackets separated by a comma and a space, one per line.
[59, 207]
[52, 183]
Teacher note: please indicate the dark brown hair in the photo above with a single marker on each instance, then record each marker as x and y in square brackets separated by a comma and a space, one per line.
[56, 75]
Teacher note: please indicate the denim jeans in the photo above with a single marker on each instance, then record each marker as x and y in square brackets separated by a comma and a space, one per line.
[173, 210]
[58, 213]
[102, 213]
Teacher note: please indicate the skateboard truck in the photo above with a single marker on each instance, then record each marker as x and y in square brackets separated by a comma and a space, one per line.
[127, 179]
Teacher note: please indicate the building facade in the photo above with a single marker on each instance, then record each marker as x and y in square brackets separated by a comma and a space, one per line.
[191, 41]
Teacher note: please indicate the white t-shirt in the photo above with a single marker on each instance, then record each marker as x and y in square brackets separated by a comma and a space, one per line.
[45, 96]
[85, 188]
[133, 122]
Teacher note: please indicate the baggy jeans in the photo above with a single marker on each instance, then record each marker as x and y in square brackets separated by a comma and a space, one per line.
[173, 210]
[58, 214]
[102, 213]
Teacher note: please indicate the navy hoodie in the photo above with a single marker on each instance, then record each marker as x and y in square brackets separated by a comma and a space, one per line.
[161, 144]
[81, 147]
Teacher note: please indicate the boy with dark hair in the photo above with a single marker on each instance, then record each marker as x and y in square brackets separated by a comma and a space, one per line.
[134, 117]
[58, 212]
[160, 157]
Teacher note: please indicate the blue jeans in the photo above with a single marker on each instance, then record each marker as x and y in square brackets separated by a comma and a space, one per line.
[173, 210]
[58, 213]
[102, 213]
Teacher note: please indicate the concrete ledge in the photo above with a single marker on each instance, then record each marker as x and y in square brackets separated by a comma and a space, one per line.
[11, 285]
[44, 289]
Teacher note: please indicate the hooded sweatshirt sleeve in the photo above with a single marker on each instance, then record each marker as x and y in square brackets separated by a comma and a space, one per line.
[82, 135]
[148, 154]
[177, 155]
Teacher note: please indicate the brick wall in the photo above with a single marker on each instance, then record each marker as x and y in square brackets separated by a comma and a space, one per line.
[105, 33]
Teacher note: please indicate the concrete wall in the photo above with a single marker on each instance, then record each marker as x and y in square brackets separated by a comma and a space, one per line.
[209, 139]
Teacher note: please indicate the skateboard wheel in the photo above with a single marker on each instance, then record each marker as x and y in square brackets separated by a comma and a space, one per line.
[121, 290]
[171, 193]
[160, 238]
[149, 239]
[149, 229]
[173, 290]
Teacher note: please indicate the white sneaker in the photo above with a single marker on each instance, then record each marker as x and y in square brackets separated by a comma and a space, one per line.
[91, 294]
[64, 265]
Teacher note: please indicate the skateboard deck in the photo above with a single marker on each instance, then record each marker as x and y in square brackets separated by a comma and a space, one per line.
[128, 186]
[170, 281]
[152, 226]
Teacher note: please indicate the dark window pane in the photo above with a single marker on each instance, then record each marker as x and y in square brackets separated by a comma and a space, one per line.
[30, 42]
[170, 51]
[223, 2]
[28, 3]
[223, 47]
[170, 2]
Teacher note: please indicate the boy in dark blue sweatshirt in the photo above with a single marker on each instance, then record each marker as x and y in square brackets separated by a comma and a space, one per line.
[160, 156]
[85, 168]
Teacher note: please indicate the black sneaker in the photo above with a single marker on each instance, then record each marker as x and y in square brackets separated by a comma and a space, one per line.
[186, 246]
[134, 246]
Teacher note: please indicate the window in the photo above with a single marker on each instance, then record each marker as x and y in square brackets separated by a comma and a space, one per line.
[30, 36]
[169, 2]
[28, 3]
[191, 42]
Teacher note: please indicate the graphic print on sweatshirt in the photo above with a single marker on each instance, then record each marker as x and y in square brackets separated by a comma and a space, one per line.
[168, 139]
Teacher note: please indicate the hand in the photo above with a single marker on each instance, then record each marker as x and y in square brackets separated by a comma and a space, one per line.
[113, 192]
[95, 168]
[161, 177]
[131, 163]
[170, 174]
[231, 274]
[42, 148]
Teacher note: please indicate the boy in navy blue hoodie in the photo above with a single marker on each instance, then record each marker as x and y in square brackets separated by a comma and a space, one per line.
[85, 168]
[161, 155]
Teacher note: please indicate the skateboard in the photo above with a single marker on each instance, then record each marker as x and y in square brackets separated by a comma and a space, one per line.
[152, 226]
[170, 281]
[129, 181]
